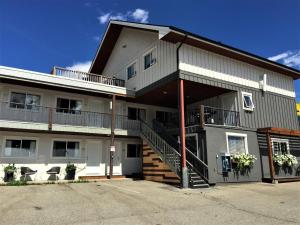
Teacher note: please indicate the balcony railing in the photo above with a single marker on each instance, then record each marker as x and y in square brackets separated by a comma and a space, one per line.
[207, 115]
[50, 116]
[58, 71]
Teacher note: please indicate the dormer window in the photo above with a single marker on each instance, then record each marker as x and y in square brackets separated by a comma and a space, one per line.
[149, 59]
[247, 101]
[131, 70]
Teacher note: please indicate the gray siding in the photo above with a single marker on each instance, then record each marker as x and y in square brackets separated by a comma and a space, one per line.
[214, 148]
[271, 110]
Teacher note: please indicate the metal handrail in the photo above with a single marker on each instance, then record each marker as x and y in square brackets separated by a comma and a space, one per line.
[90, 77]
[170, 155]
[200, 167]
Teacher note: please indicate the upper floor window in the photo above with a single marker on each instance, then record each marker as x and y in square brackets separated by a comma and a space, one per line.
[131, 70]
[68, 106]
[247, 101]
[150, 59]
[133, 151]
[20, 148]
[236, 143]
[135, 113]
[66, 149]
[280, 146]
[24, 101]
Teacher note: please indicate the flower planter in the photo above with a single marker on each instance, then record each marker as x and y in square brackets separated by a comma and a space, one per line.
[9, 176]
[71, 174]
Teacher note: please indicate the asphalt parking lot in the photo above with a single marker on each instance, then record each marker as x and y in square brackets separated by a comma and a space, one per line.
[143, 202]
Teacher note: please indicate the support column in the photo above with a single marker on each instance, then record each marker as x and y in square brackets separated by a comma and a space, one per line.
[112, 136]
[270, 156]
[184, 172]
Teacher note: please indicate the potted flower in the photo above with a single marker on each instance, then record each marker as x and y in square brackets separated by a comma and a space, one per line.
[70, 171]
[243, 162]
[9, 172]
[290, 160]
[278, 161]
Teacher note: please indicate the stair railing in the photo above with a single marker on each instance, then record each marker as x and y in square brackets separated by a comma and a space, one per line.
[193, 162]
[169, 155]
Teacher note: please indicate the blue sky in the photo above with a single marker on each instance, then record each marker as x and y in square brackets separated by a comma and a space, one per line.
[37, 35]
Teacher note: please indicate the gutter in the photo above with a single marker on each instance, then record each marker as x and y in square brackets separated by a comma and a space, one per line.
[177, 50]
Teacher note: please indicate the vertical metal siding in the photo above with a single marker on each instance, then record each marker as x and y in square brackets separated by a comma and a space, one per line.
[209, 64]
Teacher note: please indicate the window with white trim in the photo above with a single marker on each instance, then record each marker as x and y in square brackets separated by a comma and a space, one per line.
[136, 113]
[71, 106]
[236, 143]
[66, 149]
[24, 101]
[247, 101]
[150, 59]
[280, 146]
[20, 148]
[133, 151]
[131, 70]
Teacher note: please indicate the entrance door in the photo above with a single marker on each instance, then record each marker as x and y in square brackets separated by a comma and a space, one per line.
[94, 150]
[192, 143]
[117, 161]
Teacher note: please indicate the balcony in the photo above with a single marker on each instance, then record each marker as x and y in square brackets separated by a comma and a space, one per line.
[18, 116]
[207, 115]
[90, 77]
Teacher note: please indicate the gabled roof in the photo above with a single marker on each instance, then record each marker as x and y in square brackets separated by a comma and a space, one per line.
[177, 35]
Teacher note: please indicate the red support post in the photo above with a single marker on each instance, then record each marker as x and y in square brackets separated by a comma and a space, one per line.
[184, 178]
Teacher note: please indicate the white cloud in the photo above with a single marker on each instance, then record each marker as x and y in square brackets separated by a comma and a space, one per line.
[288, 58]
[80, 66]
[141, 15]
[138, 15]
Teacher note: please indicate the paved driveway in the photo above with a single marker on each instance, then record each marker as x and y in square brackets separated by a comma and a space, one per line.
[141, 202]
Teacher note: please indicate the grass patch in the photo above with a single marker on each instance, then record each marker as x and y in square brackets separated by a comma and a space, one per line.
[16, 183]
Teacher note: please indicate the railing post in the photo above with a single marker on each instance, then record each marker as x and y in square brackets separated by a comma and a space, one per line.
[50, 118]
[112, 147]
[202, 118]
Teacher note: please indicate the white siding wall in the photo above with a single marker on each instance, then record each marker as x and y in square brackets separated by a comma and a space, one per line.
[137, 44]
[212, 65]
[44, 160]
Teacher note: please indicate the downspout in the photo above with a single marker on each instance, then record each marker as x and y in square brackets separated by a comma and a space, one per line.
[177, 51]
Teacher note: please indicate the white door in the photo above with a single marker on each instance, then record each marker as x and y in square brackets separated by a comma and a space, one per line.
[117, 169]
[94, 151]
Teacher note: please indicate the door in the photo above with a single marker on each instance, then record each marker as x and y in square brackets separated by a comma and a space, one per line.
[117, 161]
[192, 143]
[230, 105]
[99, 116]
[93, 162]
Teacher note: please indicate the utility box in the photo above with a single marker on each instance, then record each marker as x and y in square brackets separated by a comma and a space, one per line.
[226, 164]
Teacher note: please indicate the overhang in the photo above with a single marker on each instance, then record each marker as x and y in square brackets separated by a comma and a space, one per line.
[175, 35]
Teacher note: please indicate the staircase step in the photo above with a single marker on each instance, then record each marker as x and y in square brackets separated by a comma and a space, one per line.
[193, 182]
[196, 186]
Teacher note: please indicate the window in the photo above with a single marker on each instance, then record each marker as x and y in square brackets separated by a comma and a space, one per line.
[20, 148]
[163, 117]
[280, 146]
[135, 113]
[236, 143]
[68, 106]
[247, 101]
[149, 59]
[131, 71]
[133, 151]
[24, 101]
[66, 149]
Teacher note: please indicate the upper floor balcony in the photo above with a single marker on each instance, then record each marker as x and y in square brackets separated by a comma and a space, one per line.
[60, 79]
[89, 77]
[212, 116]
[41, 118]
